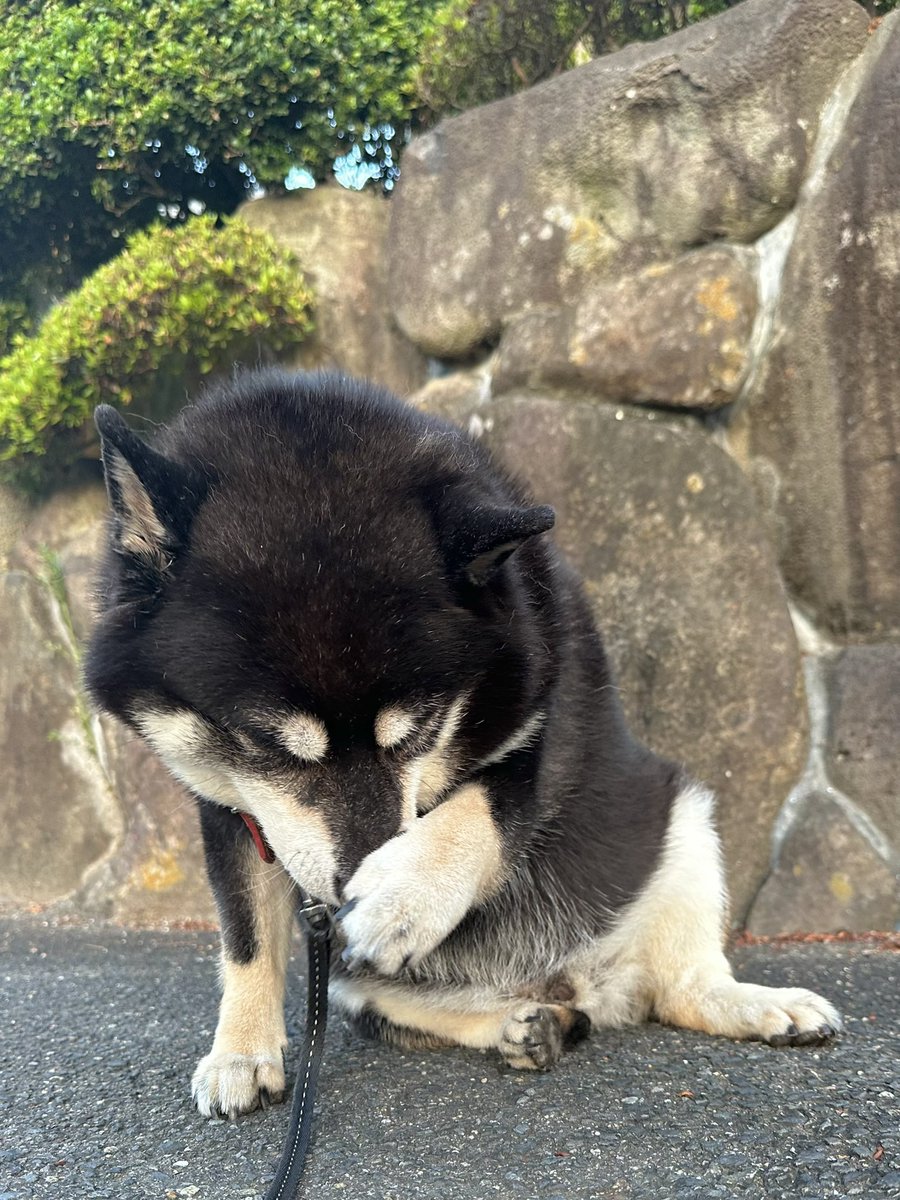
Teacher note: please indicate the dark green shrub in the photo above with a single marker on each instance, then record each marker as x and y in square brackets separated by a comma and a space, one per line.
[14, 321]
[176, 304]
[113, 111]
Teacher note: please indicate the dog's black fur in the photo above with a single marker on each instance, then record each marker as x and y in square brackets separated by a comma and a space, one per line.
[309, 544]
[319, 556]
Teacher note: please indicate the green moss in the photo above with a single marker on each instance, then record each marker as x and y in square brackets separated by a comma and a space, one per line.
[176, 304]
[54, 581]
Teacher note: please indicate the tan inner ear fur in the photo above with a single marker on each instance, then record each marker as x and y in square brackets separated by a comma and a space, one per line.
[141, 532]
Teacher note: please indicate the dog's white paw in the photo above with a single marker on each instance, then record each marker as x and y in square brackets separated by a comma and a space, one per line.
[780, 1016]
[401, 904]
[230, 1084]
[795, 1016]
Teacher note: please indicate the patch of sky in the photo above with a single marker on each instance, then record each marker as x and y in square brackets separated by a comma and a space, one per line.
[246, 170]
[298, 177]
[370, 157]
[199, 162]
[351, 172]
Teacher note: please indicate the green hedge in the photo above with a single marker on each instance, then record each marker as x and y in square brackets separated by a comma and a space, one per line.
[109, 110]
[14, 321]
[176, 304]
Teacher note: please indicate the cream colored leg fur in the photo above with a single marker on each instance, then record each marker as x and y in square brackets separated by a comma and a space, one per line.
[246, 1055]
[662, 957]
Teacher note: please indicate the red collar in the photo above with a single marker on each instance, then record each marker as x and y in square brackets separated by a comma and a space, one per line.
[266, 853]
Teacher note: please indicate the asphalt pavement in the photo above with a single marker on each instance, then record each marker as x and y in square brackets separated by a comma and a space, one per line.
[102, 1029]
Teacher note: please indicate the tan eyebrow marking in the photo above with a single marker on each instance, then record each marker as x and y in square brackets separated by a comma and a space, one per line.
[173, 732]
[392, 725]
[305, 736]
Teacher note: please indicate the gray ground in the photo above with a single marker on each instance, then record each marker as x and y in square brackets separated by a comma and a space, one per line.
[102, 1029]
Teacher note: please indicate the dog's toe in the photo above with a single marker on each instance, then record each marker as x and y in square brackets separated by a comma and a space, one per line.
[779, 1016]
[532, 1038]
[796, 1017]
[230, 1084]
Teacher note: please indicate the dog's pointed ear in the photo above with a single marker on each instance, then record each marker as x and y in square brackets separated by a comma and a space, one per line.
[153, 498]
[486, 535]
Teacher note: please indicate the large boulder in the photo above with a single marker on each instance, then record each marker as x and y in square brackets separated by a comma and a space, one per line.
[63, 541]
[60, 817]
[157, 876]
[675, 334]
[824, 422]
[95, 825]
[862, 751]
[14, 514]
[828, 878]
[662, 525]
[703, 136]
[338, 238]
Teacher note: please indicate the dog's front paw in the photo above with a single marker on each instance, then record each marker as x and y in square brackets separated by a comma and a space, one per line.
[399, 907]
[230, 1084]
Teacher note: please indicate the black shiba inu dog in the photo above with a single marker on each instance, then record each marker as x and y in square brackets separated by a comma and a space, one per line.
[338, 616]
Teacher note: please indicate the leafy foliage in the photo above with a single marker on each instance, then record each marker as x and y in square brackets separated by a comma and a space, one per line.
[175, 304]
[480, 50]
[114, 112]
[14, 321]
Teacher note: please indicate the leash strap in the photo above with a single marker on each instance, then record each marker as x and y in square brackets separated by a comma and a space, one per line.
[316, 924]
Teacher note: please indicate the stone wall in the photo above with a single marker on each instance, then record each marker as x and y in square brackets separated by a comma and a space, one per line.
[666, 287]
[678, 270]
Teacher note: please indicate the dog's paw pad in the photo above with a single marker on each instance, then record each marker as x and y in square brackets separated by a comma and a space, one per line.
[230, 1084]
[532, 1038]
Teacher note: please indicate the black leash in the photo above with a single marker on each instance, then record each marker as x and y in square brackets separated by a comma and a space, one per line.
[315, 922]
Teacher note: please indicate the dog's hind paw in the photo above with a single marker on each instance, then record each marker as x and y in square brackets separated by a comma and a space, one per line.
[534, 1035]
[779, 1016]
[796, 1017]
[230, 1084]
